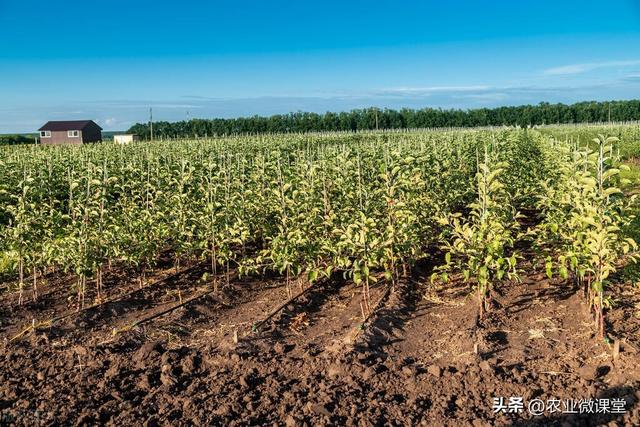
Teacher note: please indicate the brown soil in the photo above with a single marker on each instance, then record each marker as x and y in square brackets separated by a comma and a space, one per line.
[421, 359]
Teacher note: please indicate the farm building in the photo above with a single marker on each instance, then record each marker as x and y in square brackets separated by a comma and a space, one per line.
[125, 139]
[70, 132]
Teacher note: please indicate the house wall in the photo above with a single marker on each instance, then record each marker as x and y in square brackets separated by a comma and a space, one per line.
[124, 139]
[60, 137]
[91, 133]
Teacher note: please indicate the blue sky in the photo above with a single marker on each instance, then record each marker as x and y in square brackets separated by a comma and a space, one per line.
[110, 60]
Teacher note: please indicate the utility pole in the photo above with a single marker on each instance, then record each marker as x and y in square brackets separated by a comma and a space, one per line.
[376, 110]
[609, 113]
[151, 122]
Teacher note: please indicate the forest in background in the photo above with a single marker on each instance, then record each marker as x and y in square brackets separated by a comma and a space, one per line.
[375, 118]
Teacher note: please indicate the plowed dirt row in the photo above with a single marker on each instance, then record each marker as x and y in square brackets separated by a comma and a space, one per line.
[420, 359]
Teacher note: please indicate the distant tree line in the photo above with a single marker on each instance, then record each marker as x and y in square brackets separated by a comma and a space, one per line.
[373, 118]
[16, 139]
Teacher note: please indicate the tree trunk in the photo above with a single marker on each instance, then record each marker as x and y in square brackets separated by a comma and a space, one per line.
[35, 285]
[21, 285]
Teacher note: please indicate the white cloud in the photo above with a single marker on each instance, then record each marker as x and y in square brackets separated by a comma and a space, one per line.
[484, 97]
[589, 66]
[434, 89]
[62, 113]
[120, 114]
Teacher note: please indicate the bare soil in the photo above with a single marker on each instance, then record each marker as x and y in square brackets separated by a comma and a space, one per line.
[420, 359]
